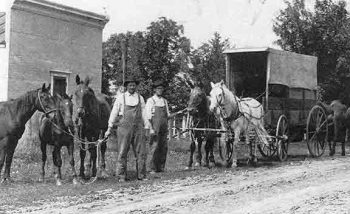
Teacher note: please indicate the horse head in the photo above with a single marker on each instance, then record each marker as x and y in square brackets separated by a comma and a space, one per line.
[84, 98]
[45, 102]
[65, 110]
[198, 102]
[221, 97]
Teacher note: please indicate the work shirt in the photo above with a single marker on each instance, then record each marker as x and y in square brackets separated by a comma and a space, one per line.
[118, 106]
[151, 103]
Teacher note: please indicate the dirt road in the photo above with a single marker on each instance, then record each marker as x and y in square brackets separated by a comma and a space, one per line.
[308, 186]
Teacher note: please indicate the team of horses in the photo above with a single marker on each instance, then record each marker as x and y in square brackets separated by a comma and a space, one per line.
[62, 124]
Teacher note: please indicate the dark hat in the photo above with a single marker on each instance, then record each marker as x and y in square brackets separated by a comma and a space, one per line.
[131, 79]
[158, 83]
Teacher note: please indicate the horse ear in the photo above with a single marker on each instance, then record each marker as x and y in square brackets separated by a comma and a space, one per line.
[87, 81]
[222, 82]
[43, 87]
[48, 87]
[77, 79]
[212, 84]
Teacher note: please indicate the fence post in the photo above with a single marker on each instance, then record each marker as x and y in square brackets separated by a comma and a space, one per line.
[170, 128]
[184, 126]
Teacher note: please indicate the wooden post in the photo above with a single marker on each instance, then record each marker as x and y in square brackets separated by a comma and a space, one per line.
[124, 57]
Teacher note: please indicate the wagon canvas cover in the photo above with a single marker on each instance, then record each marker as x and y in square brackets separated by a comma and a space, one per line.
[286, 68]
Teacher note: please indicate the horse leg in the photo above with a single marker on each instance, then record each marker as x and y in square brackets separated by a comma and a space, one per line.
[199, 153]
[343, 148]
[104, 174]
[93, 161]
[82, 154]
[43, 159]
[207, 150]
[332, 145]
[233, 160]
[9, 156]
[192, 149]
[3, 148]
[70, 149]
[57, 161]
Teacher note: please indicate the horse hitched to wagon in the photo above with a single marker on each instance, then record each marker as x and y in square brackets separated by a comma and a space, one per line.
[279, 90]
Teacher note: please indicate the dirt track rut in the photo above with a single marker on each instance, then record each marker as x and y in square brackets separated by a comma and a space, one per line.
[311, 186]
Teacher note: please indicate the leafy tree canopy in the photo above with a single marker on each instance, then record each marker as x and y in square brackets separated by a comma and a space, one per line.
[323, 32]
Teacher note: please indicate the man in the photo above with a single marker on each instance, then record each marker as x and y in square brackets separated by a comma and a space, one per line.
[127, 115]
[157, 114]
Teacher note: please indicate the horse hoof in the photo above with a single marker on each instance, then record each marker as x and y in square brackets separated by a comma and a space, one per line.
[6, 181]
[58, 183]
[104, 174]
[211, 164]
[343, 154]
[76, 181]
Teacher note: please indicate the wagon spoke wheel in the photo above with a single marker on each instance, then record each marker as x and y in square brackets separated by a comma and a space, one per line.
[316, 131]
[267, 151]
[282, 142]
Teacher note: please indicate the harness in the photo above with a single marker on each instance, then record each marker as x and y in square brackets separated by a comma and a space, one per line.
[42, 106]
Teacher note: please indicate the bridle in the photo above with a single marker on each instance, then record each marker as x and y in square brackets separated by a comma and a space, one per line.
[222, 110]
[42, 106]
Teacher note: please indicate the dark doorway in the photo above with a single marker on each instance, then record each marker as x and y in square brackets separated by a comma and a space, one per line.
[59, 85]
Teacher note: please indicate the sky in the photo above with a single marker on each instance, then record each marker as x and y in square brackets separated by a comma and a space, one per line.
[246, 23]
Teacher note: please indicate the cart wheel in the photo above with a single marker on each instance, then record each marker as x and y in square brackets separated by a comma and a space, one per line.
[267, 151]
[226, 150]
[316, 131]
[282, 132]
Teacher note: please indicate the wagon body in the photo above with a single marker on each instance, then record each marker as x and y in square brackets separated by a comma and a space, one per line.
[284, 82]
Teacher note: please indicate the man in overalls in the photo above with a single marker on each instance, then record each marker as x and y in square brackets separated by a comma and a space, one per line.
[127, 115]
[157, 114]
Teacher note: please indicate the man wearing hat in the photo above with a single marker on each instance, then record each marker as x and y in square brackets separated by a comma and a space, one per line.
[127, 115]
[157, 114]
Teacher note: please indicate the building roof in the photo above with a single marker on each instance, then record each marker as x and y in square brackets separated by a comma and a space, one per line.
[53, 6]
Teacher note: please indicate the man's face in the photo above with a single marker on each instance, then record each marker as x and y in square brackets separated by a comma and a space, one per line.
[159, 90]
[131, 87]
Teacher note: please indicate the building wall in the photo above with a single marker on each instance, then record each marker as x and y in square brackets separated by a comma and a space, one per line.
[4, 59]
[41, 43]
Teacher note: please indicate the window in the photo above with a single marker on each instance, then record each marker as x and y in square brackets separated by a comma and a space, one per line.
[2, 29]
[59, 82]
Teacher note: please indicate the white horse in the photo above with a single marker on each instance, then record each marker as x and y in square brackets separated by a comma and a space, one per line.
[241, 116]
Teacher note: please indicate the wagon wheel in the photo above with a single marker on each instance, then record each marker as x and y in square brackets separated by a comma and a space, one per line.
[267, 151]
[316, 131]
[226, 149]
[282, 142]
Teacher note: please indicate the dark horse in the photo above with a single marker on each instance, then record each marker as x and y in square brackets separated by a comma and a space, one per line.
[198, 108]
[58, 132]
[13, 116]
[339, 114]
[91, 118]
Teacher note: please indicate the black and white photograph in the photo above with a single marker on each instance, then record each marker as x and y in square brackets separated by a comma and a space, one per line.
[174, 106]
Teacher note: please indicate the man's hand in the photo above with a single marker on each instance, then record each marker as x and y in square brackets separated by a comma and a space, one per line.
[108, 132]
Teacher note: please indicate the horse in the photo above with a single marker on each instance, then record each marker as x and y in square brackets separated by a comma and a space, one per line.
[91, 119]
[241, 116]
[339, 114]
[13, 116]
[58, 132]
[198, 108]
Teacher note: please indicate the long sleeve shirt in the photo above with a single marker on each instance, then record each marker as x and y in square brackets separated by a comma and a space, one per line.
[118, 106]
[151, 103]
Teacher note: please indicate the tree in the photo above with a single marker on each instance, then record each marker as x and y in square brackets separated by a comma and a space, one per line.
[159, 52]
[323, 33]
[209, 61]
